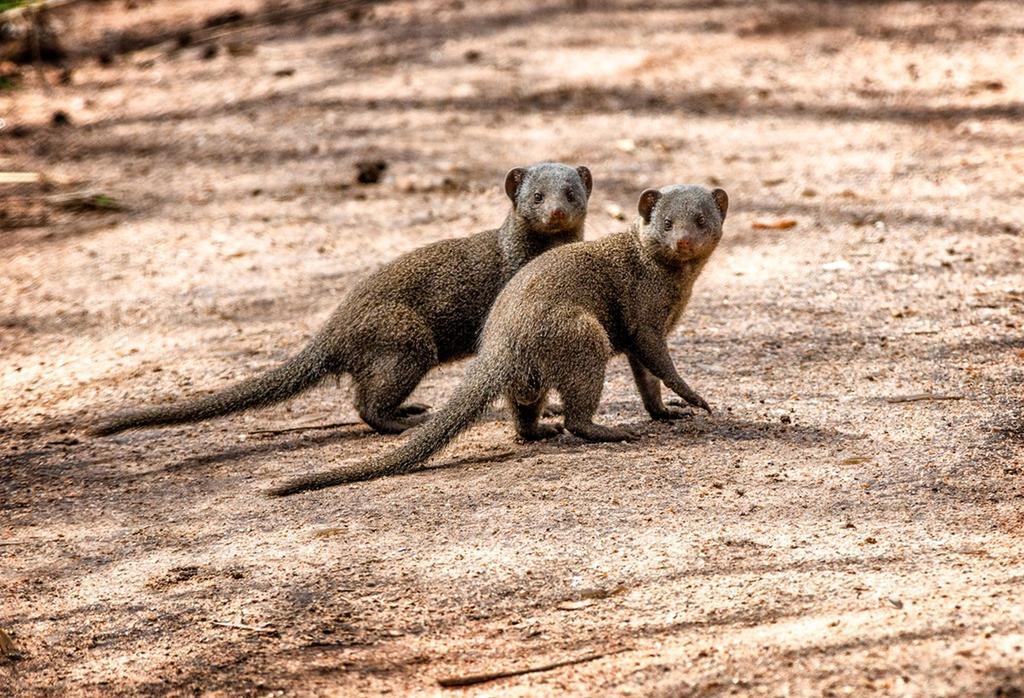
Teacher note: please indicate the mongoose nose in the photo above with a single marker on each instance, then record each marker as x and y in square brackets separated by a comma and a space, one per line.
[557, 216]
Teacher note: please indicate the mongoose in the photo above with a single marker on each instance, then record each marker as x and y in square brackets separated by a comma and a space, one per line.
[556, 324]
[424, 308]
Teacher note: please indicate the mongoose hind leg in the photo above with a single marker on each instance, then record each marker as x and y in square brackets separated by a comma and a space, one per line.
[527, 416]
[382, 387]
[581, 389]
[412, 409]
[585, 428]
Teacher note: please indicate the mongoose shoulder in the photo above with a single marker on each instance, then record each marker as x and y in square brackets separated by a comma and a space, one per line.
[424, 308]
[556, 324]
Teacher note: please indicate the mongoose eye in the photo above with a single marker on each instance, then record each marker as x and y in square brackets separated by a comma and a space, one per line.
[538, 197]
[668, 224]
[570, 196]
[701, 220]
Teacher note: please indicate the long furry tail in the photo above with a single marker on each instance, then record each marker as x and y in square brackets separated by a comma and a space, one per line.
[301, 372]
[470, 400]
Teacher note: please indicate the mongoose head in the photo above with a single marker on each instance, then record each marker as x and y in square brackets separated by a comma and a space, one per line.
[682, 222]
[550, 197]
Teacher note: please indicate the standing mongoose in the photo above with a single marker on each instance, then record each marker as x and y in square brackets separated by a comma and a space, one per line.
[425, 308]
[556, 324]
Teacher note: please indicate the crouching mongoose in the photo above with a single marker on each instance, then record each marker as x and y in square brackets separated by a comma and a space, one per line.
[556, 324]
[425, 308]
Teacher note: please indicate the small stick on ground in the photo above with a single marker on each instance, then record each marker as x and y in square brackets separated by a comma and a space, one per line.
[473, 679]
[920, 397]
[314, 427]
[29, 541]
[20, 177]
[15, 542]
[243, 626]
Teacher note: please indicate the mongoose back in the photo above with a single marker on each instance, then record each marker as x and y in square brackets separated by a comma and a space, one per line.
[556, 324]
[425, 308]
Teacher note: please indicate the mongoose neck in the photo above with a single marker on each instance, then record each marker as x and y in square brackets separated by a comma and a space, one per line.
[521, 241]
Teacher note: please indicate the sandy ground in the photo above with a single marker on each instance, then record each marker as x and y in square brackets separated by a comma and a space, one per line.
[814, 536]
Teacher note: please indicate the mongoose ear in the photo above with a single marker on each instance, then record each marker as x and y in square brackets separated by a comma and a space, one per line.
[513, 180]
[647, 202]
[588, 179]
[721, 200]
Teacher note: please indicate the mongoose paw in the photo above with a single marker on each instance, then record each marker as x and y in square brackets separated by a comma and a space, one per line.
[596, 432]
[540, 432]
[694, 400]
[623, 434]
[675, 409]
[553, 410]
[396, 424]
[411, 409]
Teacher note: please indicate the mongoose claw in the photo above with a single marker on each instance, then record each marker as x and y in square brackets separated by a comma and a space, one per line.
[697, 401]
[674, 409]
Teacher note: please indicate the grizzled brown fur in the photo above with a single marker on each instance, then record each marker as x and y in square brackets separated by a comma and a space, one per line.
[556, 324]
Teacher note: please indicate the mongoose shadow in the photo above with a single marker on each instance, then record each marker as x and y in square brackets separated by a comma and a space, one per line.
[559, 321]
[423, 309]
[258, 447]
[667, 436]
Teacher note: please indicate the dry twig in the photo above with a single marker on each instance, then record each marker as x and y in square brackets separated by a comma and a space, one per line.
[244, 626]
[921, 397]
[312, 427]
[473, 679]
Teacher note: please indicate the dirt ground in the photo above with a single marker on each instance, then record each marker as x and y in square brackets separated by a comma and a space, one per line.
[821, 533]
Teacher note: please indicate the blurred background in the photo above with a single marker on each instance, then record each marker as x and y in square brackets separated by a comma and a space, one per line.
[182, 147]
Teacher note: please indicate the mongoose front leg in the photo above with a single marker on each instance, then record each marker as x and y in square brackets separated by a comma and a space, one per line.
[652, 352]
[649, 387]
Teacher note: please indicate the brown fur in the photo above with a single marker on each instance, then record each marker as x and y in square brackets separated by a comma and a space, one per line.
[557, 323]
[425, 308]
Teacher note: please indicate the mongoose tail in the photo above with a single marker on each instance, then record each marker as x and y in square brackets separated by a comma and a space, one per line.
[479, 390]
[301, 372]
